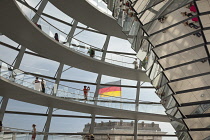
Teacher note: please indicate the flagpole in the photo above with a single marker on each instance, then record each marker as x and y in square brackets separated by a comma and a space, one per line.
[120, 96]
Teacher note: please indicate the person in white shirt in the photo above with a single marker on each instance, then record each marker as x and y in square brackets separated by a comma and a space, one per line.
[37, 84]
[135, 64]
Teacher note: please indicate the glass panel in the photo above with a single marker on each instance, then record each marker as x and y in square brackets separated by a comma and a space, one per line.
[195, 123]
[194, 96]
[183, 136]
[180, 44]
[207, 35]
[156, 81]
[192, 83]
[168, 102]
[156, 70]
[172, 111]
[178, 126]
[187, 70]
[140, 5]
[204, 135]
[156, 109]
[196, 109]
[55, 12]
[147, 16]
[7, 54]
[184, 57]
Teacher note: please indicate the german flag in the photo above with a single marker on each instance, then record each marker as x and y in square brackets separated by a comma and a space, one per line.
[107, 91]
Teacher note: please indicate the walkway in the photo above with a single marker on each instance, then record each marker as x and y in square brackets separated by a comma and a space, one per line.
[18, 92]
[20, 29]
[90, 16]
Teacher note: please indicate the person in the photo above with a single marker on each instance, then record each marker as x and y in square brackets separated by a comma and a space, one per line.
[162, 19]
[92, 137]
[128, 4]
[37, 84]
[195, 19]
[33, 132]
[193, 8]
[198, 34]
[144, 62]
[39, 26]
[91, 52]
[128, 22]
[56, 37]
[86, 90]
[191, 25]
[135, 26]
[204, 60]
[43, 84]
[120, 15]
[116, 12]
[135, 62]
[187, 14]
[0, 126]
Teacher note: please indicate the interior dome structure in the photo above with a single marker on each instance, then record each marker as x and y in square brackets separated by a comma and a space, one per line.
[104, 69]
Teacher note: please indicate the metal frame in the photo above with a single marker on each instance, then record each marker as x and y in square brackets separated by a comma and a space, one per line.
[16, 66]
[195, 103]
[181, 51]
[168, 13]
[180, 37]
[98, 82]
[202, 29]
[192, 90]
[180, 22]
[150, 6]
[168, 79]
[187, 63]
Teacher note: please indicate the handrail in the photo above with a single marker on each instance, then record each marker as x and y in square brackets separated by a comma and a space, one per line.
[101, 50]
[31, 74]
[48, 80]
[20, 131]
[82, 133]
[112, 105]
[68, 95]
[15, 129]
[18, 81]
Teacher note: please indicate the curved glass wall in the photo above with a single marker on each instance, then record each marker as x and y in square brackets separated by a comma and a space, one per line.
[177, 57]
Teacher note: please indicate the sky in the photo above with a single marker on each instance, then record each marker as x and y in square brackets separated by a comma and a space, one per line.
[48, 67]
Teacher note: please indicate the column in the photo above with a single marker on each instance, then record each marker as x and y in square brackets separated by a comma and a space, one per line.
[3, 107]
[58, 76]
[20, 57]
[71, 33]
[50, 109]
[16, 66]
[36, 17]
[98, 81]
[135, 129]
[136, 109]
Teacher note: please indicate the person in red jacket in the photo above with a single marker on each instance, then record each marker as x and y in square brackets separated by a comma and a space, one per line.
[86, 90]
